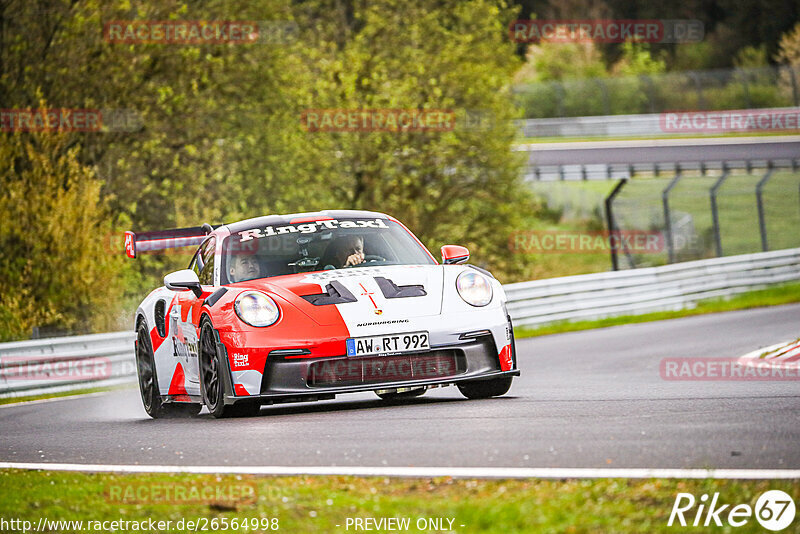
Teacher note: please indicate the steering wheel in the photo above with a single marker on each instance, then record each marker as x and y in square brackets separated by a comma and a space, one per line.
[368, 258]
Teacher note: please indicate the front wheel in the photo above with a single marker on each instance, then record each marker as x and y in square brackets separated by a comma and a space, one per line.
[148, 382]
[483, 389]
[211, 381]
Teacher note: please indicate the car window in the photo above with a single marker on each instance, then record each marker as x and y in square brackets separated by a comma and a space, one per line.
[316, 246]
[205, 259]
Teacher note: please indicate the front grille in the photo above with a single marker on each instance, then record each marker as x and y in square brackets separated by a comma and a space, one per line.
[382, 369]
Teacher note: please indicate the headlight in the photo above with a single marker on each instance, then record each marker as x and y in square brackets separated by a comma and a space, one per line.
[256, 309]
[474, 288]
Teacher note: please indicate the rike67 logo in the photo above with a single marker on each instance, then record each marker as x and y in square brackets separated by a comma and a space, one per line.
[774, 510]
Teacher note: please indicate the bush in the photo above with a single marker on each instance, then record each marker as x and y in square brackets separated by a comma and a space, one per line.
[55, 269]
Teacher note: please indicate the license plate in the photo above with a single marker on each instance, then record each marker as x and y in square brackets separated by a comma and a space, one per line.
[388, 344]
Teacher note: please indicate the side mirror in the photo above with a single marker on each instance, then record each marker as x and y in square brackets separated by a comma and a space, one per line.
[452, 254]
[183, 280]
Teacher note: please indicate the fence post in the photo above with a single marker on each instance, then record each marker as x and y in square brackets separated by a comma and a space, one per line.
[610, 221]
[795, 96]
[560, 99]
[604, 94]
[714, 212]
[667, 215]
[651, 97]
[762, 224]
[743, 78]
[701, 105]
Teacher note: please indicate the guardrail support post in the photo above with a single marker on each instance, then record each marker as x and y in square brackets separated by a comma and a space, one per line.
[714, 212]
[610, 221]
[667, 214]
[762, 223]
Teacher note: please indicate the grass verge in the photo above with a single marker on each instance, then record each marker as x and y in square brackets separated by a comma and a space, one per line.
[773, 296]
[323, 504]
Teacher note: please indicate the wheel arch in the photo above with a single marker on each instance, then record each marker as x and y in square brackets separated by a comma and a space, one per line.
[225, 371]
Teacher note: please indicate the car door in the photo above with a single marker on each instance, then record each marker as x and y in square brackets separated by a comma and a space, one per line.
[184, 317]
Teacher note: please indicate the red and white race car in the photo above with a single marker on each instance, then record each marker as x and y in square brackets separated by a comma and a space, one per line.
[303, 307]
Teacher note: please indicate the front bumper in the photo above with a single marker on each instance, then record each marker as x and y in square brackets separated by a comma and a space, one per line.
[288, 379]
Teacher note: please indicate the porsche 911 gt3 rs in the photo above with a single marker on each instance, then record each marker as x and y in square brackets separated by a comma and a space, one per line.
[303, 307]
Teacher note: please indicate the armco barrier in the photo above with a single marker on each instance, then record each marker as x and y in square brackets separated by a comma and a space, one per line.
[66, 363]
[48, 365]
[645, 125]
[631, 292]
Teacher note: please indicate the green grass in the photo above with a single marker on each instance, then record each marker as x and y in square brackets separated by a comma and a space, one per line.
[782, 294]
[73, 393]
[639, 206]
[319, 504]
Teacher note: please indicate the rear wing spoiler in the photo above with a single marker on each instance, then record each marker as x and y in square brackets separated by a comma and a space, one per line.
[144, 242]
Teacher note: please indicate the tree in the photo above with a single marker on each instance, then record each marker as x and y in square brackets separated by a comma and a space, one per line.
[789, 47]
[56, 267]
[460, 185]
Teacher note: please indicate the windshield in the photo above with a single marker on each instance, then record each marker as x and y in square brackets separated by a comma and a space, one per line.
[266, 251]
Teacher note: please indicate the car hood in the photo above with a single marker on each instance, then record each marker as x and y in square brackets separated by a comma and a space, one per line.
[366, 294]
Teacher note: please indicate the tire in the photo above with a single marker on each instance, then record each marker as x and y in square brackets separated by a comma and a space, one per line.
[212, 385]
[417, 392]
[483, 389]
[148, 382]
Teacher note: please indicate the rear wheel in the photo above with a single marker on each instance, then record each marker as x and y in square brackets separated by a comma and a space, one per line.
[211, 380]
[148, 382]
[401, 395]
[483, 389]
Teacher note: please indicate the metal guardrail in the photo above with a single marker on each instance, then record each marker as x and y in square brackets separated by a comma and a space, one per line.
[646, 125]
[79, 362]
[636, 291]
[615, 171]
[66, 363]
[599, 126]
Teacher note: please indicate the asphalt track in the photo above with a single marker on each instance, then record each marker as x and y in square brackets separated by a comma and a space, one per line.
[591, 399]
[663, 151]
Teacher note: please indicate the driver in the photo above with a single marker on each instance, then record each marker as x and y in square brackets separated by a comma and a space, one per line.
[349, 250]
[244, 267]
